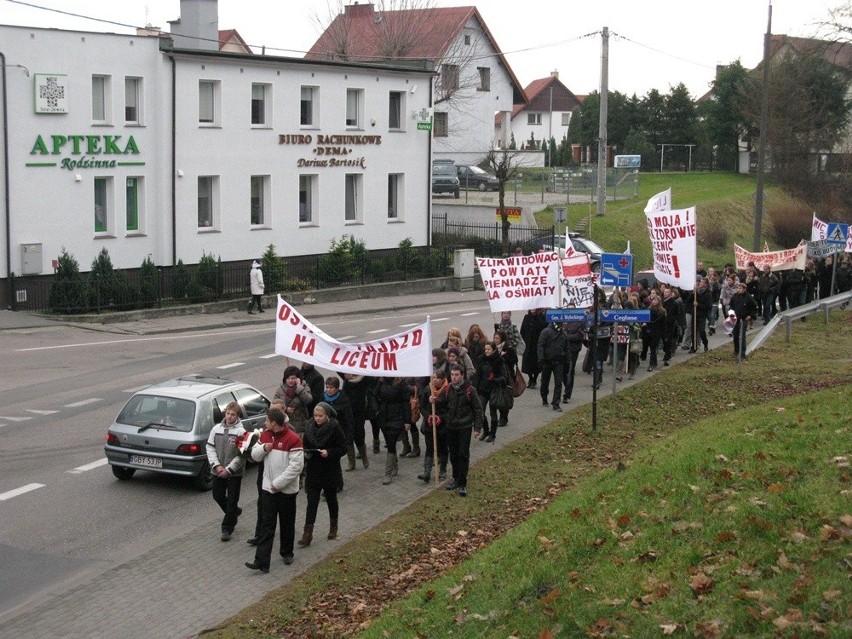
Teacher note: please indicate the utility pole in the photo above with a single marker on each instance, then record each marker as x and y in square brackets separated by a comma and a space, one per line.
[602, 124]
[761, 144]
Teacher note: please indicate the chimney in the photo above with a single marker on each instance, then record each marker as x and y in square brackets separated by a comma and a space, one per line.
[554, 74]
[358, 10]
[198, 25]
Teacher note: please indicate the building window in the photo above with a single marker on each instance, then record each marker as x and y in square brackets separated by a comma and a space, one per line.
[134, 200]
[103, 205]
[449, 77]
[533, 118]
[309, 105]
[259, 199]
[566, 118]
[307, 197]
[354, 107]
[101, 107]
[260, 103]
[208, 201]
[441, 125]
[208, 102]
[484, 79]
[395, 199]
[395, 110]
[133, 100]
[354, 197]
[467, 39]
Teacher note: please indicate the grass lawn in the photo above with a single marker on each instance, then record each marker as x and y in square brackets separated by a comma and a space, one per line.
[713, 501]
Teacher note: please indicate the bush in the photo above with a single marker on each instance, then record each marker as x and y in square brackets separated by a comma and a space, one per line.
[715, 237]
[149, 283]
[273, 270]
[210, 276]
[126, 294]
[344, 262]
[68, 292]
[101, 281]
[790, 225]
[180, 281]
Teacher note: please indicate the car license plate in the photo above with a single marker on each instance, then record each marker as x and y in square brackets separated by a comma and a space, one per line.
[141, 460]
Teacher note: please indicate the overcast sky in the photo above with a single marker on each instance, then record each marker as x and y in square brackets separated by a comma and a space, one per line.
[654, 44]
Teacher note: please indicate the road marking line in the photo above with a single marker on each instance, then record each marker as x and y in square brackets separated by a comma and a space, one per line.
[234, 365]
[340, 339]
[468, 314]
[85, 467]
[409, 325]
[15, 419]
[270, 356]
[84, 402]
[378, 330]
[20, 491]
[440, 319]
[41, 412]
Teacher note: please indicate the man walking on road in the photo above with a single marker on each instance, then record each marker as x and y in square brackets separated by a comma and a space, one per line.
[280, 449]
[552, 353]
[227, 466]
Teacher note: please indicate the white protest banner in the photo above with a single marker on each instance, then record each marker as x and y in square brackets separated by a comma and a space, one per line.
[819, 229]
[578, 289]
[821, 249]
[672, 236]
[776, 260]
[660, 202]
[521, 282]
[407, 354]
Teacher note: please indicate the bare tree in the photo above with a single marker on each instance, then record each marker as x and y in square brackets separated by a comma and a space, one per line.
[839, 23]
[504, 164]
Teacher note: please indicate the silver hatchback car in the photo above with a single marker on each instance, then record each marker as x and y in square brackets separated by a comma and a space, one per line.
[164, 428]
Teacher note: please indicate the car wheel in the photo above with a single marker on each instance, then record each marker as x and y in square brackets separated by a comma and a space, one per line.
[203, 480]
[123, 472]
[482, 187]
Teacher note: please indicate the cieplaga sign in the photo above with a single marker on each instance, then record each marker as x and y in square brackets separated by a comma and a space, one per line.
[76, 152]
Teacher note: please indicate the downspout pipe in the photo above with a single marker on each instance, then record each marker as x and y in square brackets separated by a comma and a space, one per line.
[6, 186]
[174, 161]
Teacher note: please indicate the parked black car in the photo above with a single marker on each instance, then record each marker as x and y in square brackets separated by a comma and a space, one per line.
[444, 178]
[472, 177]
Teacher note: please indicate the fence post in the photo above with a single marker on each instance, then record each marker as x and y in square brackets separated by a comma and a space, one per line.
[317, 274]
[97, 293]
[159, 287]
[13, 297]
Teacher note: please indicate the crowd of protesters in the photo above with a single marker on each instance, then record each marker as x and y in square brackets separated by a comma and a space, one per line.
[315, 422]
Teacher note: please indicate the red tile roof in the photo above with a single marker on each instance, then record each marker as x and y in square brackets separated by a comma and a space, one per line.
[225, 36]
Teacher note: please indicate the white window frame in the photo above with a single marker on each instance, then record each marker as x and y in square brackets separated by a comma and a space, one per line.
[139, 195]
[395, 110]
[208, 199]
[104, 206]
[396, 196]
[566, 118]
[259, 200]
[354, 108]
[533, 119]
[484, 79]
[101, 98]
[209, 103]
[353, 198]
[265, 105]
[133, 100]
[308, 199]
[312, 110]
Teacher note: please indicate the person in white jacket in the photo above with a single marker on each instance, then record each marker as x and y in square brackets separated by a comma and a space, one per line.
[257, 287]
[226, 466]
[281, 451]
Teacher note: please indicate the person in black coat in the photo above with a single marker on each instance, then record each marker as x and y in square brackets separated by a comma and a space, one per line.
[745, 309]
[532, 325]
[315, 382]
[493, 373]
[324, 444]
[393, 395]
[342, 405]
[552, 351]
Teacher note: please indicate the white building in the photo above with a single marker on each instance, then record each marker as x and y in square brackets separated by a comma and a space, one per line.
[125, 143]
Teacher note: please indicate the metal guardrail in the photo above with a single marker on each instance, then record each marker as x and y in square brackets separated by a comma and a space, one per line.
[789, 316]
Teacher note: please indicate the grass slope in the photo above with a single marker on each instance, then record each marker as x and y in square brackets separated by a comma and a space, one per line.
[713, 500]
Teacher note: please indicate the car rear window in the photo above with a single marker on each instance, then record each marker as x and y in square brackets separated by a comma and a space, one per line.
[444, 169]
[142, 410]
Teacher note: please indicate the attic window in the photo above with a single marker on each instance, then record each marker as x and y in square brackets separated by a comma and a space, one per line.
[467, 39]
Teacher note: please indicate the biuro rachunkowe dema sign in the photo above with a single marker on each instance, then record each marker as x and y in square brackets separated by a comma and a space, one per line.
[85, 151]
[331, 150]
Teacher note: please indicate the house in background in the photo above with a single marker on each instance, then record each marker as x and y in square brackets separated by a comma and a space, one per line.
[546, 114]
[474, 79]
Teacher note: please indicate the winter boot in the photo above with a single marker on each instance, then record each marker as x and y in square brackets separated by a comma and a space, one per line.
[307, 536]
[332, 529]
[426, 476]
[390, 463]
[406, 446]
[376, 448]
[350, 454]
[442, 468]
[362, 451]
[415, 443]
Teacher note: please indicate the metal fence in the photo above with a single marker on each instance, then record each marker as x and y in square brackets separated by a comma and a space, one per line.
[577, 184]
[186, 284]
[487, 238]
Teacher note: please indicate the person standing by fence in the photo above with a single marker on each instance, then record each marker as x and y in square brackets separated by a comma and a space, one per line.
[257, 288]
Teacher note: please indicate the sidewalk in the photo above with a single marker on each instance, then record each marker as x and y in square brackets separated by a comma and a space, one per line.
[175, 590]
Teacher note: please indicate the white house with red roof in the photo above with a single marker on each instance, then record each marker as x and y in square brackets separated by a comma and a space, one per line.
[474, 81]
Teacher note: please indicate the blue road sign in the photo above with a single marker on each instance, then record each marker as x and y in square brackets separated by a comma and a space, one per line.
[565, 315]
[836, 233]
[624, 315]
[616, 269]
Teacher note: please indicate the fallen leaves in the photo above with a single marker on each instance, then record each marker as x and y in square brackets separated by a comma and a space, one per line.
[701, 584]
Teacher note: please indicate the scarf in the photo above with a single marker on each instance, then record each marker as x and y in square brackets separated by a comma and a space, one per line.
[330, 398]
[437, 393]
[316, 436]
